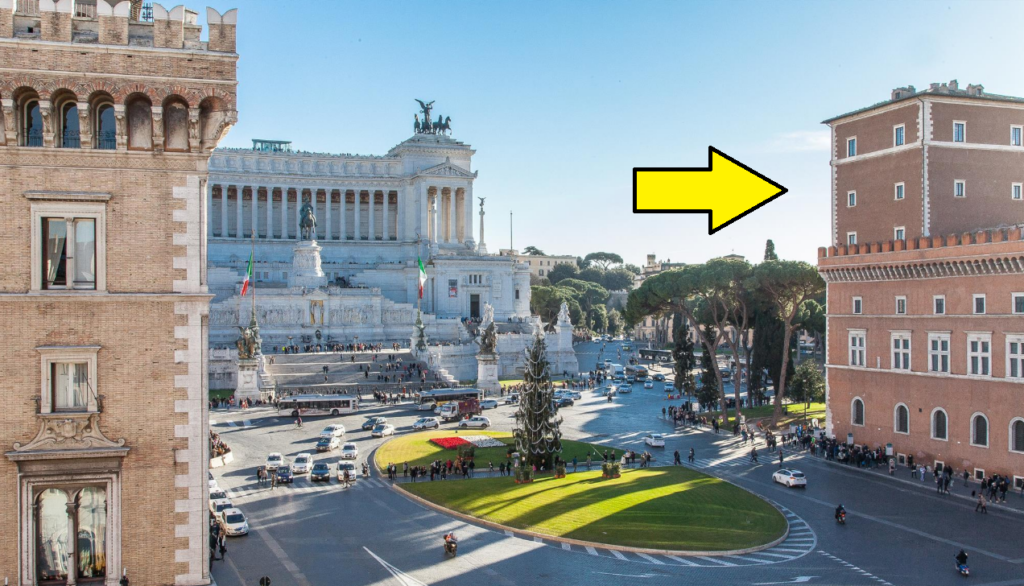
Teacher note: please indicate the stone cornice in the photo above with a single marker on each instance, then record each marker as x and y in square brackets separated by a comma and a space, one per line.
[66, 196]
[986, 266]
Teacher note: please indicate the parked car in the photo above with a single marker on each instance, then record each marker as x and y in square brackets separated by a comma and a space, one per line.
[219, 499]
[350, 468]
[489, 404]
[274, 460]
[574, 395]
[790, 478]
[382, 430]
[333, 430]
[475, 421]
[284, 475]
[427, 423]
[428, 406]
[655, 440]
[625, 389]
[302, 463]
[511, 398]
[234, 522]
[321, 471]
[327, 444]
[349, 452]
[565, 402]
[648, 384]
[659, 377]
[374, 422]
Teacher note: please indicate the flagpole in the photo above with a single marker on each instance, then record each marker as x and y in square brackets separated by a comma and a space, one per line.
[253, 256]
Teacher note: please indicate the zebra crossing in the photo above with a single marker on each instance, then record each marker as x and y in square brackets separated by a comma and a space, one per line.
[246, 424]
[301, 485]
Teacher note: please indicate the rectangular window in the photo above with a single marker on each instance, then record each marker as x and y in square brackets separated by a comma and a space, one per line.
[857, 338]
[939, 304]
[899, 233]
[851, 199]
[901, 351]
[69, 253]
[899, 190]
[959, 131]
[1018, 302]
[1015, 356]
[851, 147]
[1015, 191]
[979, 304]
[901, 305]
[69, 386]
[959, 188]
[938, 353]
[517, 293]
[851, 238]
[1015, 135]
[858, 305]
[897, 135]
[979, 354]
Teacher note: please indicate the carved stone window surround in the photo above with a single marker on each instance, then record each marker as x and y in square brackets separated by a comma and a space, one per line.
[48, 206]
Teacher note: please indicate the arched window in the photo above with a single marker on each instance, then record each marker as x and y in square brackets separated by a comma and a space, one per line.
[902, 419]
[175, 126]
[105, 131]
[56, 554]
[1017, 435]
[857, 409]
[979, 430]
[31, 124]
[939, 422]
[140, 123]
[67, 132]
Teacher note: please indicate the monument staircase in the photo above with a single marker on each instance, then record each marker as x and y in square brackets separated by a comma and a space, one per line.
[303, 373]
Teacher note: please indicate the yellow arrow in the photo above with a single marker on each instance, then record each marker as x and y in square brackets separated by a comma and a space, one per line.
[726, 190]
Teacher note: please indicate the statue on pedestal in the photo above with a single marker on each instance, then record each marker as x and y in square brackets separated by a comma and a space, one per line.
[246, 343]
[488, 339]
[563, 315]
[307, 220]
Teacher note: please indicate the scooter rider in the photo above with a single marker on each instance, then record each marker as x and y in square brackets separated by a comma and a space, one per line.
[961, 558]
[366, 470]
[450, 541]
[840, 511]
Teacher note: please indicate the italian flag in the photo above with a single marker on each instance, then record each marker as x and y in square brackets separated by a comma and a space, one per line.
[248, 276]
[423, 275]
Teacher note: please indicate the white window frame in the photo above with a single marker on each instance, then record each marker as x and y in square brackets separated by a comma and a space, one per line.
[895, 419]
[974, 304]
[897, 231]
[1009, 433]
[979, 337]
[68, 209]
[899, 191]
[857, 353]
[961, 182]
[853, 412]
[964, 124]
[988, 430]
[1018, 357]
[895, 129]
[854, 309]
[851, 196]
[1013, 303]
[49, 355]
[906, 350]
[939, 337]
[931, 424]
[939, 298]
[1017, 191]
[1020, 134]
[851, 241]
[852, 139]
[896, 309]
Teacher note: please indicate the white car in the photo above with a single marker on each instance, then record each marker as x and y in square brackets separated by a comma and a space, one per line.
[333, 430]
[349, 467]
[428, 406]
[648, 384]
[512, 398]
[234, 522]
[625, 388]
[427, 423]
[790, 478]
[574, 395]
[655, 440]
[382, 430]
[349, 452]
[216, 506]
[489, 404]
[475, 421]
[274, 460]
[302, 464]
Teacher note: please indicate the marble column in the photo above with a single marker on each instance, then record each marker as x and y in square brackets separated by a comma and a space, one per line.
[356, 230]
[255, 211]
[386, 231]
[468, 209]
[327, 224]
[312, 201]
[372, 230]
[422, 195]
[209, 209]
[453, 232]
[298, 212]
[284, 213]
[238, 211]
[342, 230]
[400, 212]
[435, 210]
[270, 212]
[223, 211]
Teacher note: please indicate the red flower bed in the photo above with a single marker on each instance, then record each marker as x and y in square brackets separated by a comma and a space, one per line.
[449, 443]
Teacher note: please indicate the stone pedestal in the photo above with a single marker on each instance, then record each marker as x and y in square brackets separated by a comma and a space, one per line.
[306, 271]
[248, 386]
[487, 374]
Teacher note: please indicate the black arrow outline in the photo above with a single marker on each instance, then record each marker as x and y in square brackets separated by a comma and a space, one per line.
[711, 151]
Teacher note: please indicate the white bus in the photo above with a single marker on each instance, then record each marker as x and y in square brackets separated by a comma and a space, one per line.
[306, 405]
[442, 396]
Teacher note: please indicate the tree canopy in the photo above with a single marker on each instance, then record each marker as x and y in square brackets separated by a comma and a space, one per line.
[603, 259]
[563, 271]
[533, 251]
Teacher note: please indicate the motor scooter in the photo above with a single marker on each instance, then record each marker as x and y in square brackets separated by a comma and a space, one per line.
[841, 518]
[451, 547]
[962, 568]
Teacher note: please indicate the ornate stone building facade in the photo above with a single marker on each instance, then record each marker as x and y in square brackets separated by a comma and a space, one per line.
[106, 128]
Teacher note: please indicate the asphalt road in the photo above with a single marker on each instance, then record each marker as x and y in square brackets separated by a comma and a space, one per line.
[898, 532]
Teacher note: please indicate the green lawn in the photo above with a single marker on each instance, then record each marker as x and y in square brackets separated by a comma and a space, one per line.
[417, 450]
[795, 415]
[659, 508]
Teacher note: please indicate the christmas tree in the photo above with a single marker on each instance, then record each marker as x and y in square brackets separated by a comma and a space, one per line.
[537, 436]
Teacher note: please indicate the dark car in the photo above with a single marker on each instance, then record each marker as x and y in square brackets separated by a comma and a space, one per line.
[327, 444]
[284, 475]
[374, 422]
[659, 377]
[321, 471]
[565, 402]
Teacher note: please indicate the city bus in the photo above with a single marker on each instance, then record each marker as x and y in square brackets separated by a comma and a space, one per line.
[442, 396]
[638, 372]
[307, 405]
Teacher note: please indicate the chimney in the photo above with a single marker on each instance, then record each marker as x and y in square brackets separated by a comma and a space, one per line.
[975, 89]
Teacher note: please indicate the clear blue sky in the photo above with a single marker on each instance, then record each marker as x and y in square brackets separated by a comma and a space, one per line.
[562, 99]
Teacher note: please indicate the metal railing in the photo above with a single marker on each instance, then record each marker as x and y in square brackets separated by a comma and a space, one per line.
[34, 139]
[106, 141]
[27, 8]
[71, 140]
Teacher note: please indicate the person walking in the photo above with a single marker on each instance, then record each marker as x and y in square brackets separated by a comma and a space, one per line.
[676, 460]
[782, 458]
[690, 458]
[574, 462]
[982, 506]
[753, 455]
[892, 466]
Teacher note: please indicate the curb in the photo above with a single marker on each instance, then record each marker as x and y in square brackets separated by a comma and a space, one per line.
[623, 548]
